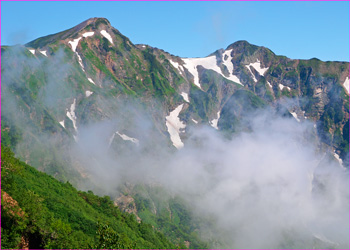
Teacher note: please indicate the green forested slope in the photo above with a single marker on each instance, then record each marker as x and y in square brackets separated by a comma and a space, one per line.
[40, 212]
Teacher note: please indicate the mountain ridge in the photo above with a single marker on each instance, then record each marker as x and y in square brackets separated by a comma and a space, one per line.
[88, 106]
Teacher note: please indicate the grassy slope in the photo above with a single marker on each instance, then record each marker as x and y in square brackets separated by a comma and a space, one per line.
[56, 215]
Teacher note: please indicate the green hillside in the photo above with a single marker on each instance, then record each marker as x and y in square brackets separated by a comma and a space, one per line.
[37, 211]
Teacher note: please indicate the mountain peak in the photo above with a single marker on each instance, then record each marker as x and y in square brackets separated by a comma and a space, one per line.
[95, 22]
[240, 45]
[91, 24]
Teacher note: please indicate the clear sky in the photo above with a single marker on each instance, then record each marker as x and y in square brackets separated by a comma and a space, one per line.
[299, 30]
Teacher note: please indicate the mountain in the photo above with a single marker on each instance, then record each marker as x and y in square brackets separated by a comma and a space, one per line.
[86, 105]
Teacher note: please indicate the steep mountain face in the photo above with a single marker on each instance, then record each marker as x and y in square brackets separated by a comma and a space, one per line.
[90, 89]
[81, 76]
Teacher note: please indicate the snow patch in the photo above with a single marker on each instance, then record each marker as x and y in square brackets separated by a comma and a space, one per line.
[62, 123]
[282, 86]
[254, 79]
[175, 126]
[257, 67]
[185, 96]
[269, 84]
[80, 61]
[43, 52]
[337, 157]
[209, 62]
[88, 93]
[143, 46]
[90, 80]
[214, 122]
[87, 34]
[127, 138]
[177, 66]
[295, 116]
[346, 84]
[32, 51]
[71, 115]
[106, 35]
[74, 43]
[229, 66]
[196, 122]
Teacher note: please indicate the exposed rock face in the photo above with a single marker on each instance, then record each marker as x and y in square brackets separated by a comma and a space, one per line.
[127, 204]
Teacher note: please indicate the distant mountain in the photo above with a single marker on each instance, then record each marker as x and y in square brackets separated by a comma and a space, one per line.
[90, 87]
[70, 71]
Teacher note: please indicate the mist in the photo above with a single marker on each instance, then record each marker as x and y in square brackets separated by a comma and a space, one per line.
[267, 188]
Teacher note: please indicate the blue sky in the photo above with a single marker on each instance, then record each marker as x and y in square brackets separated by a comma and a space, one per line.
[299, 30]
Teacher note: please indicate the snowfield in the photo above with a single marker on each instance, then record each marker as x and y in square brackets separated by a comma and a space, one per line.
[214, 122]
[88, 93]
[87, 34]
[185, 96]
[32, 51]
[295, 116]
[62, 123]
[282, 86]
[71, 115]
[346, 84]
[257, 67]
[127, 138]
[74, 43]
[43, 52]
[80, 61]
[229, 66]
[106, 35]
[175, 126]
[209, 62]
[269, 84]
[90, 80]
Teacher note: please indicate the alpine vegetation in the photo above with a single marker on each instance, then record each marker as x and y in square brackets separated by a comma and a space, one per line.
[239, 149]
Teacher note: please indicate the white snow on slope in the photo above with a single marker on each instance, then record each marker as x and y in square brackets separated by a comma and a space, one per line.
[254, 79]
[175, 126]
[337, 157]
[257, 67]
[87, 34]
[106, 35]
[185, 96]
[295, 116]
[74, 43]
[127, 138]
[43, 52]
[269, 84]
[62, 123]
[229, 66]
[90, 80]
[214, 122]
[71, 115]
[177, 66]
[282, 86]
[32, 51]
[196, 122]
[88, 93]
[207, 63]
[346, 84]
[80, 61]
